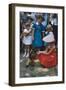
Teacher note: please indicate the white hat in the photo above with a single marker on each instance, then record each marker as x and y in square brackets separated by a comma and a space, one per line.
[49, 38]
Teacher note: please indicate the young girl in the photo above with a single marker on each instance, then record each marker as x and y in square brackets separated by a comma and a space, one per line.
[27, 39]
[48, 58]
[38, 30]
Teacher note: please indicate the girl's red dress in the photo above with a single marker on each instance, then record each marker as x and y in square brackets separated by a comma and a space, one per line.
[49, 60]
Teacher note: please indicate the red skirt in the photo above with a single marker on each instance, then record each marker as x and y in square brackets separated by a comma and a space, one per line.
[48, 60]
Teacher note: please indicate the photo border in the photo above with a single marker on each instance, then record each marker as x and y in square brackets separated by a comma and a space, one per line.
[12, 43]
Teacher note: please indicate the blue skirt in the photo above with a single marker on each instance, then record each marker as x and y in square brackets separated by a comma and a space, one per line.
[37, 42]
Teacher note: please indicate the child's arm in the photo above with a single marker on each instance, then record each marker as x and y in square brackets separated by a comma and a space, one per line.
[29, 32]
[24, 33]
[33, 34]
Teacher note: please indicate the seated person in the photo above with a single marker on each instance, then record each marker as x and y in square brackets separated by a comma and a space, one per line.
[48, 58]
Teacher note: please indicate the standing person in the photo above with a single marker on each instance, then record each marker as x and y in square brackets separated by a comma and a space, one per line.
[38, 30]
[27, 39]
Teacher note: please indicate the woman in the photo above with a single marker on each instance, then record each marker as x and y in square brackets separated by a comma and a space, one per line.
[38, 30]
[48, 58]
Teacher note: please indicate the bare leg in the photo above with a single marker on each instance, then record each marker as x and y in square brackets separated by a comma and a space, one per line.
[28, 55]
[28, 51]
[25, 51]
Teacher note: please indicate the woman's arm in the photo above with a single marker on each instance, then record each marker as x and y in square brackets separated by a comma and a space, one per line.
[50, 51]
[46, 51]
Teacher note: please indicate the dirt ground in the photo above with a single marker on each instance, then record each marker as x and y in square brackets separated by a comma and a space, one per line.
[35, 71]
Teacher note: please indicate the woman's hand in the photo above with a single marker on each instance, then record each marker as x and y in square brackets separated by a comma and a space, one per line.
[39, 52]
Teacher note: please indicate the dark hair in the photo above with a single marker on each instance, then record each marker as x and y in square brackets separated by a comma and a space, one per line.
[39, 17]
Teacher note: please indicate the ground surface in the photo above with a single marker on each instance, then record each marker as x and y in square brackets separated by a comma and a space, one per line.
[35, 71]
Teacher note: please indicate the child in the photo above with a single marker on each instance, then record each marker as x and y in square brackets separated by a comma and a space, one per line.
[27, 39]
[50, 35]
[48, 58]
[38, 30]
